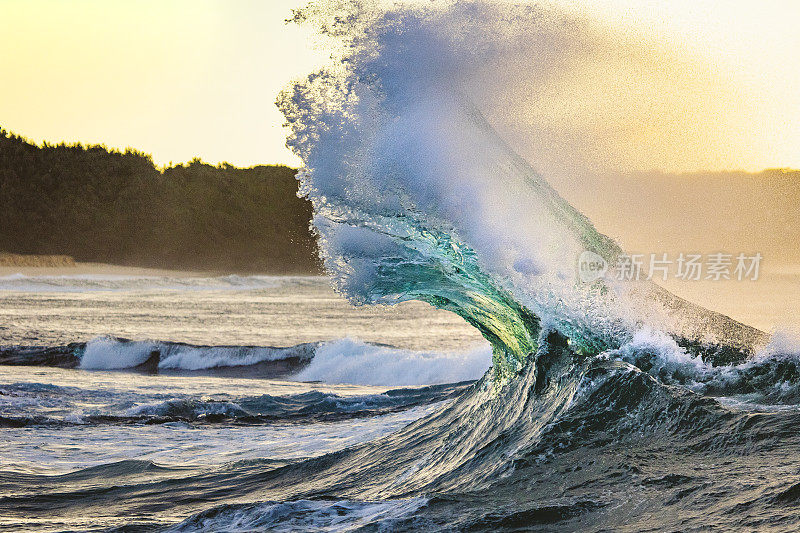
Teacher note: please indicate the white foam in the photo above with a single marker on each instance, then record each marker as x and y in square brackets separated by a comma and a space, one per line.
[782, 344]
[668, 355]
[105, 353]
[758, 383]
[358, 363]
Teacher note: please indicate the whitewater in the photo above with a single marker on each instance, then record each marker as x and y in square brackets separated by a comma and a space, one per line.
[470, 380]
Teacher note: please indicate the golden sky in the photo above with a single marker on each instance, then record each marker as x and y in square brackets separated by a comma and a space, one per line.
[175, 78]
[185, 78]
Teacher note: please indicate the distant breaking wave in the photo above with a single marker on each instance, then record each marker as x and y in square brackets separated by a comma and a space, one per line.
[104, 353]
[360, 363]
[345, 361]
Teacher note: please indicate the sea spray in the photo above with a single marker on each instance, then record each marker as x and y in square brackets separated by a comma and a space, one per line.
[416, 196]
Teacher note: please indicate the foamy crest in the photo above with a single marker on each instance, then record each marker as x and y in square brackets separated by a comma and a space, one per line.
[770, 378]
[660, 355]
[358, 363]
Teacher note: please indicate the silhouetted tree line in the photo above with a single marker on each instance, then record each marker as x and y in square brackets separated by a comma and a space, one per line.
[104, 205]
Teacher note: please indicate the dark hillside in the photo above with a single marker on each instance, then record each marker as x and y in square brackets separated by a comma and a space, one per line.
[103, 205]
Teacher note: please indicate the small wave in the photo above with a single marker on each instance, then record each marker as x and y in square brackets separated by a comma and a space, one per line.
[106, 353]
[304, 515]
[307, 407]
[358, 363]
[187, 410]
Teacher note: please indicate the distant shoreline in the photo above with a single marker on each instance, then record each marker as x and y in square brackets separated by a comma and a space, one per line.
[95, 269]
[34, 265]
[107, 206]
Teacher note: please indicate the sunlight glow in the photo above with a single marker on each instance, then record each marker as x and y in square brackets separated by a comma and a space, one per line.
[187, 78]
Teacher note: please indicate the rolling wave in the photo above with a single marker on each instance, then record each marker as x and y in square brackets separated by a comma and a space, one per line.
[345, 361]
[570, 440]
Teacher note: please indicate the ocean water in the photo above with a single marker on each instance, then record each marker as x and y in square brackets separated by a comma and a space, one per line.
[219, 436]
[222, 397]
[232, 310]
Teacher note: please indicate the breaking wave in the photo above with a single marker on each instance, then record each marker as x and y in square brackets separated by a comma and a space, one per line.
[416, 196]
[111, 353]
[359, 363]
[346, 361]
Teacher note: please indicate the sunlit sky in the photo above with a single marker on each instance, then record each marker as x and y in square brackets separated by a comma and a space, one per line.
[186, 78]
